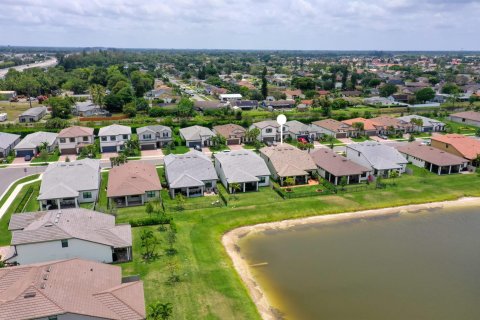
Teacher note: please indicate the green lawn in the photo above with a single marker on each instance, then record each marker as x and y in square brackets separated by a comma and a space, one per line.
[102, 194]
[360, 139]
[176, 150]
[459, 127]
[52, 157]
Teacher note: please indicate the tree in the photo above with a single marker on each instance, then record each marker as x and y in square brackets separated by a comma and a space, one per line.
[149, 208]
[387, 90]
[171, 239]
[130, 110]
[56, 123]
[160, 311]
[43, 156]
[149, 244]
[425, 94]
[219, 140]
[477, 133]
[343, 182]
[98, 94]
[450, 88]
[61, 107]
[264, 83]
[180, 199]
[289, 181]
[393, 175]
[359, 126]
[185, 107]
[252, 134]
[411, 138]
[234, 187]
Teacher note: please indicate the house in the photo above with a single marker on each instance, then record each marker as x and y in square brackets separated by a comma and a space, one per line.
[69, 233]
[3, 116]
[379, 158]
[230, 97]
[369, 127]
[87, 109]
[458, 145]
[297, 129]
[153, 137]
[244, 104]
[468, 117]
[293, 94]
[33, 114]
[286, 161]
[133, 183]
[279, 104]
[197, 136]
[233, 133]
[191, 174]
[70, 289]
[427, 124]
[208, 105]
[433, 159]
[67, 184]
[7, 95]
[269, 130]
[243, 167]
[7, 142]
[32, 142]
[333, 167]
[72, 139]
[113, 137]
[386, 125]
[334, 128]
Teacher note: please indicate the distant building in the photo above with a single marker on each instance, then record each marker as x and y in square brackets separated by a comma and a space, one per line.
[230, 97]
[33, 114]
[7, 142]
[467, 117]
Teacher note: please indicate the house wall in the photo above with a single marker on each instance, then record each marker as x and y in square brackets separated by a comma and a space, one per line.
[52, 250]
[270, 166]
[118, 142]
[154, 137]
[415, 161]
[358, 157]
[7, 150]
[94, 192]
[465, 121]
[273, 135]
[220, 173]
[446, 147]
[73, 145]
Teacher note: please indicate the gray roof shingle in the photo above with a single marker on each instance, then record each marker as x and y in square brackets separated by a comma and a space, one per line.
[380, 156]
[242, 166]
[189, 169]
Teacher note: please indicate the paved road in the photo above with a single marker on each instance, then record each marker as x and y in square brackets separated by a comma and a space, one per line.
[9, 175]
[44, 64]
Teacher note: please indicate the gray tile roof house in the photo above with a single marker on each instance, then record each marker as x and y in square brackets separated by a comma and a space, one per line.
[7, 142]
[114, 130]
[87, 108]
[244, 167]
[196, 135]
[45, 291]
[33, 231]
[152, 137]
[380, 157]
[31, 143]
[191, 174]
[67, 184]
[33, 114]
[297, 129]
[428, 124]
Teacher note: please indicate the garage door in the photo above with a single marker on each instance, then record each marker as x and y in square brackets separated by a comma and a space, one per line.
[192, 144]
[268, 139]
[23, 153]
[233, 141]
[341, 135]
[147, 147]
[68, 151]
[109, 149]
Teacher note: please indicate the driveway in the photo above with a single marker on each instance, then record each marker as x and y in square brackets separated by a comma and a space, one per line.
[378, 139]
[234, 147]
[152, 153]
[346, 140]
[108, 155]
[63, 157]
[20, 160]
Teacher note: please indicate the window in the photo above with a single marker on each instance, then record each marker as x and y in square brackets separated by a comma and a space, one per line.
[208, 184]
[262, 179]
[64, 243]
[165, 134]
[269, 130]
[125, 137]
[87, 195]
[62, 140]
[113, 138]
[151, 194]
[53, 318]
[85, 138]
[147, 136]
[72, 139]
[104, 138]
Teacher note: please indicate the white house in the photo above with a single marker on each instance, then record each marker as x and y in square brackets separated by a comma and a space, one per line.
[31, 144]
[153, 137]
[230, 97]
[69, 233]
[197, 136]
[269, 130]
[72, 139]
[113, 137]
[297, 129]
[7, 142]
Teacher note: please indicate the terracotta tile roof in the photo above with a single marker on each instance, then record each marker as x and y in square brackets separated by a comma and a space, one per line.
[307, 102]
[288, 160]
[75, 131]
[230, 130]
[74, 286]
[336, 164]
[368, 124]
[293, 92]
[430, 154]
[132, 178]
[468, 147]
[385, 122]
[333, 125]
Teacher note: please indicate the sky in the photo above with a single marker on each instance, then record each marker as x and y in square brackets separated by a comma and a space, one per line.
[243, 24]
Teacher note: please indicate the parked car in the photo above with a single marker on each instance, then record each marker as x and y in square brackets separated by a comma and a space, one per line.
[28, 157]
[197, 147]
[302, 140]
[384, 137]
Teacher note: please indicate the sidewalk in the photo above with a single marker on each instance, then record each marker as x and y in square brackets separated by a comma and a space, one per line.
[14, 194]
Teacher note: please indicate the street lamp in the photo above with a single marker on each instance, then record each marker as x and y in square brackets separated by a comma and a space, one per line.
[281, 120]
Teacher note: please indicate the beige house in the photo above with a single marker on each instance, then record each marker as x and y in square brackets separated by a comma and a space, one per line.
[72, 139]
[233, 133]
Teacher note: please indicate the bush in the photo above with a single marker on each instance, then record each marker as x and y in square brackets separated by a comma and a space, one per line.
[151, 221]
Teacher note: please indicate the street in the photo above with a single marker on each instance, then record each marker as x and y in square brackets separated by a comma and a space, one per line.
[9, 175]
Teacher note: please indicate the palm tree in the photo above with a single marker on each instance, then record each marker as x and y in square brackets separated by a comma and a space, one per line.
[360, 127]
[289, 181]
[393, 175]
[160, 311]
[234, 186]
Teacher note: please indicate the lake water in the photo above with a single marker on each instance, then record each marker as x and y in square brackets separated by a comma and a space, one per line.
[423, 265]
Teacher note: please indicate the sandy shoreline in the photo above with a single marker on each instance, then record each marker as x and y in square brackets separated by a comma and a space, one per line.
[231, 238]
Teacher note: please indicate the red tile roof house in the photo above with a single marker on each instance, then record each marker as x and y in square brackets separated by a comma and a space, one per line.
[369, 127]
[467, 117]
[294, 94]
[234, 133]
[458, 145]
[70, 289]
[334, 128]
[133, 183]
[71, 140]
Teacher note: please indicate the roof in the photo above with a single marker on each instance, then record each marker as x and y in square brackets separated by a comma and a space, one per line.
[336, 164]
[288, 160]
[133, 178]
[298, 127]
[76, 223]
[86, 106]
[468, 147]
[230, 95]
[280, 103]
[34, 140]
[67, 179]
[244, 103]
[156, 129]
[427, 122]
[430, 154]
[189, 169]
[35, 111]
[75, 131]
[266, 123]
[367, 123]
[69, 286]
[469, 115]
[195, 133]
[333, 125]
[7, 139]
[293, 92]
[114, 130]
[203, 105]
[384, 121]
[242, 166]
[228, 130]
[380, 156]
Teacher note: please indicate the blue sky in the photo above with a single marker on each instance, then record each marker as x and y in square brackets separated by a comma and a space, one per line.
[247, 24]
